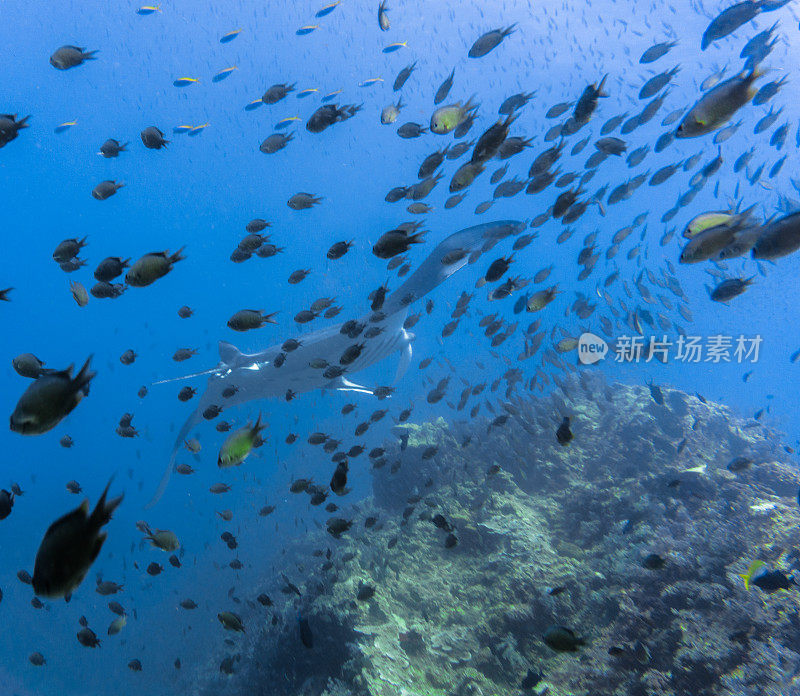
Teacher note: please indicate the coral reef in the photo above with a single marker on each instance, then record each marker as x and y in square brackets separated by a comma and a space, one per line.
[553, 535]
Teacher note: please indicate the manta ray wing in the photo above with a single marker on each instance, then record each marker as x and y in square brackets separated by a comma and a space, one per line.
[255, 375]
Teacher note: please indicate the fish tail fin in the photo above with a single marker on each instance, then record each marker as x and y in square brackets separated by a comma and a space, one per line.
[103, 510]
[178, 255]
[744, 216]
[258, 427]
[469, 105]
[85, 376]
[600, 92]
[22, 123]
[89, 55]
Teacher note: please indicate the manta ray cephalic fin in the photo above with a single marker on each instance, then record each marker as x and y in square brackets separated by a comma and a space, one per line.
[405, 357]
[342, 384]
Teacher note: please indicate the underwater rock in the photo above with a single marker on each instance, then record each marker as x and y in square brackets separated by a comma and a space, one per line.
[594, 520]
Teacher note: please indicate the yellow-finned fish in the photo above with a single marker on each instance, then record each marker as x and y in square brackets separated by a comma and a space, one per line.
[117, 625]
[303, 93]
[304, 31]
[327, 9]
[717, 218]
[447, 118]
[755, 566]
[539, 300]
[196, 130]
[254, 104]
[181, 129]
[371, 81]
[185, 81]
[222, 74]
[566, 344]
[284, 122]
[239, 444]
[230, 36]
[63, 127]
[331, 95]
[148, 9]
[391, 48]
[706, 221]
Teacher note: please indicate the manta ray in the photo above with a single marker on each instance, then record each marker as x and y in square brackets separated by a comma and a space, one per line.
[265, 375]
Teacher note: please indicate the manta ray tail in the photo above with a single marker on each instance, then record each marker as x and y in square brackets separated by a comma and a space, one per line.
[183, 433]
[212, 371]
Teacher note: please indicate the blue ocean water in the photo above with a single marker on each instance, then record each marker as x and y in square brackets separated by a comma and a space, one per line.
[200, 192]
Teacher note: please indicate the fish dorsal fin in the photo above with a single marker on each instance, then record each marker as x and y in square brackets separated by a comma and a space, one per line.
[229, 354]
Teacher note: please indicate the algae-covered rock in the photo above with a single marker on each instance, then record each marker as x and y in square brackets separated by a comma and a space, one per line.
[633, 537]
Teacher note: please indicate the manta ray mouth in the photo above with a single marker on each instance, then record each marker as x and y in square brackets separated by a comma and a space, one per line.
[256, 376]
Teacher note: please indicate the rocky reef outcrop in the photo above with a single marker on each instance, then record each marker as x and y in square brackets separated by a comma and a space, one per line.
[482, 535]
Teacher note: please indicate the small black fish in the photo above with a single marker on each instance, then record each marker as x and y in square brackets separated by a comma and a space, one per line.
[440, 522]
[153, 138]
[655, 393]
[738, 464]
[653, 562]
[772, 581]
[339, 479]
[564, 434]
[6, 503]
[290, 587]
[531, 679]
[450, 541]
[555, 591]
[306, 637]
[562, 639]
[365, 592]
